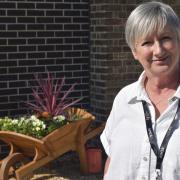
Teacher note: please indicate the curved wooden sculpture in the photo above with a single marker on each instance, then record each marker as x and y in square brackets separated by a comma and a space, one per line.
[28, 154]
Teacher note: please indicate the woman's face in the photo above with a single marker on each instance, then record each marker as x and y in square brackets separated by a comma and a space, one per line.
[158, 53]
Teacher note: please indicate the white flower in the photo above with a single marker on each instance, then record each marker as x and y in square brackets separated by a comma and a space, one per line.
[37, 128]
[34, 123]
[59, 118]
[38, 123]
[15, 121]
[33, 117]
[44, 126]
[22, 118]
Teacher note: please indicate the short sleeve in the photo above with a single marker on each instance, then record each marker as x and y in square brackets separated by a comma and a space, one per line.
[105, 143]
[106, 134]
[113, 121]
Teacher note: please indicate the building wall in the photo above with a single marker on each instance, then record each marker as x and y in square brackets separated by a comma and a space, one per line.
[37, 36]
[112, 65]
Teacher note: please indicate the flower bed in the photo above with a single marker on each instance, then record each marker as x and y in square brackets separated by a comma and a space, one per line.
[49, 109]
[31, 125]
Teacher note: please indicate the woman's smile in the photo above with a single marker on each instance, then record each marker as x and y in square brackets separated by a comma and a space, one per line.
[161, 61]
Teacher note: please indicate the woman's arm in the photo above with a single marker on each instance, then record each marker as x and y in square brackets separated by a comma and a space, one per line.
[106, 165]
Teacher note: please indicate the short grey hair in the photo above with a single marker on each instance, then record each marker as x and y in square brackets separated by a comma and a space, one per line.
[148, 18]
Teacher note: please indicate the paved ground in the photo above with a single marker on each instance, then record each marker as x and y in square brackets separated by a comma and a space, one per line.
[65, 168]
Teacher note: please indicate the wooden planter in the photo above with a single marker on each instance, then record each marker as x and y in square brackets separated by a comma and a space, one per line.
[28, 154]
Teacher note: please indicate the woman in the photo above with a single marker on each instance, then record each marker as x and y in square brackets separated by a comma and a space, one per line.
[142, 133]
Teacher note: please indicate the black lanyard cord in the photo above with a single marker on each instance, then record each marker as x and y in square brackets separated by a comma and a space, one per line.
[159, 152]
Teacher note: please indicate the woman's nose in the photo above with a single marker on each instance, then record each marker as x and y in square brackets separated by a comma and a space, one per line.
[158, 48]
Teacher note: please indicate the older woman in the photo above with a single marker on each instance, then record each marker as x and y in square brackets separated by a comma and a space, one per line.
[142, 133]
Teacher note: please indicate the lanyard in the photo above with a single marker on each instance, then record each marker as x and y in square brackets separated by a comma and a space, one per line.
[159, 152]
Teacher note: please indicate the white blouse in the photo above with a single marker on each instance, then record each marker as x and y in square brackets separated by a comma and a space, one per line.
[126, 142]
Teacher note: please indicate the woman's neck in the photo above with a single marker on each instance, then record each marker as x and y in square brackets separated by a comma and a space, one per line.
[160, 90]
[163, 83]
[159, 87]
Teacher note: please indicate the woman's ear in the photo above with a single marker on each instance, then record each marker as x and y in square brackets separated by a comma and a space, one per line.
[134, 54]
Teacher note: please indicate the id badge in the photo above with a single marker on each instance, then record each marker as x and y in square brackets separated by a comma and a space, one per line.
[158, 174]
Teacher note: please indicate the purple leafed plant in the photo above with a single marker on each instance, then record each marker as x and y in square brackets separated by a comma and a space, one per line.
[47, 96]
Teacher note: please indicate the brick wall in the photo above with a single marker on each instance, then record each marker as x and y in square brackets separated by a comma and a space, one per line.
[112, 65]
[37, 36]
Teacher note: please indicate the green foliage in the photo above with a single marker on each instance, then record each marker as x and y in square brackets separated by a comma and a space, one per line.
[31, 125]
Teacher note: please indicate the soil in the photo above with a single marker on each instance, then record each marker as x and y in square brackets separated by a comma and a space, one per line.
[64, 168]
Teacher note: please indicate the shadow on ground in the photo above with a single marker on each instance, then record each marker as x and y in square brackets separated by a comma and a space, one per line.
[64, 168]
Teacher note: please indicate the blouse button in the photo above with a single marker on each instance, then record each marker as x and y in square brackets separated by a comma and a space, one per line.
[143, 178]
[145, 158]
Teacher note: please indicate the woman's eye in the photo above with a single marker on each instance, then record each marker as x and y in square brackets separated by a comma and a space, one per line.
[146, 43]
[166, 38]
